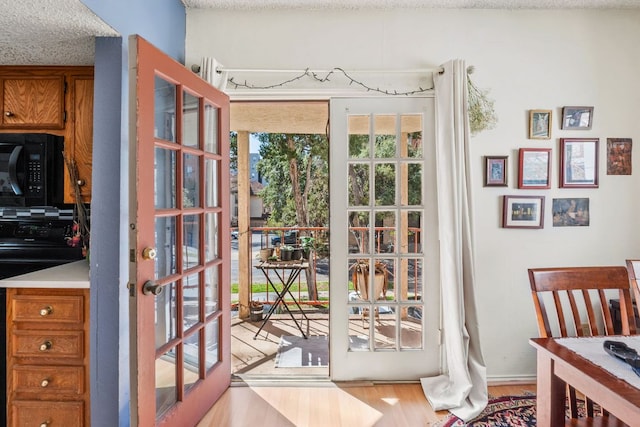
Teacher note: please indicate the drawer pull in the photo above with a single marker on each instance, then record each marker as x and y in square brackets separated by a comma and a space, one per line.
[9, 114]
[44, 383]
[46, 311]
[46, 346]
[44, 423]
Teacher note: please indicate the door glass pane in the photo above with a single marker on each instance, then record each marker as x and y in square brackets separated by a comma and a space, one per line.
[384, 335]
[165, 233]
[358, 128]
[190, 298]
[412, 182]
[410, 279]
[211, 287]
[212, 340]
[411, 331]
[359, 232]
[164, 126]
[191, 181]
[411, 232]
[166, 315]
[211, 182]
[358, 184]
[359, 331]
[191, 368]
[385, 184]
[166, 382]
[191, 244]
[165, 178]
[211, 144]
[384, 289]
[385, 136]
[191, 117]
[211, 233]
[385, 232]
[411, 131]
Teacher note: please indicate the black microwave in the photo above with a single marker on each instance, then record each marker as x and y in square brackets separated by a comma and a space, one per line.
[31, 169]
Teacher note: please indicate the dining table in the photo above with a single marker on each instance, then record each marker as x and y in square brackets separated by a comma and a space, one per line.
[286, 272]
[583, 363]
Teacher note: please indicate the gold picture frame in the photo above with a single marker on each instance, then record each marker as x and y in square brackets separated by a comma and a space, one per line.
[540, 124]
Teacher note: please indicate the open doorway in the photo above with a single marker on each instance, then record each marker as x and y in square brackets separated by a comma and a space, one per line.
[279, 200]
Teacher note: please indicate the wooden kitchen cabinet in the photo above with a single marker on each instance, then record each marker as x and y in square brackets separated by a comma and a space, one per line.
[32, 102]
[56, 100]
[47, 357]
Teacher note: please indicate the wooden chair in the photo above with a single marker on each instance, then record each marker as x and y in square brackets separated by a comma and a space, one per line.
[581, 308]
[633, 271]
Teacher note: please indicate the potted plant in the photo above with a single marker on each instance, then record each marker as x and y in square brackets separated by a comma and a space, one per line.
[256, 308]
[308, 244]
[285, 252]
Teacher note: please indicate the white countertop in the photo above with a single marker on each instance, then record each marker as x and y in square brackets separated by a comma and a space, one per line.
[73, 275]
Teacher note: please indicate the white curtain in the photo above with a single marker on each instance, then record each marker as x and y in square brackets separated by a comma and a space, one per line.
[209, 72]
[462, 389]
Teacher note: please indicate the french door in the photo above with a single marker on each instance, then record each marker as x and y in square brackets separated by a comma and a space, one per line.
[179, 241]
[384, 240]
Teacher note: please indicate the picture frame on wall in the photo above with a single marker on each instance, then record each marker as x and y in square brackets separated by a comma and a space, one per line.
[579, 162]
[579, 118]
[523, 212]
[570, 212]
[495, 171]
[540, 124]
[534, 170]
[619, 156]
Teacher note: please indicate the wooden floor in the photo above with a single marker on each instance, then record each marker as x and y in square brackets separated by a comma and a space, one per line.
[323, 404]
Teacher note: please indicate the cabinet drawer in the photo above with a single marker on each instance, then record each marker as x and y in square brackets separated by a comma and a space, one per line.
[47, 344]
[36, 413]
[48, 379]
[46, 309]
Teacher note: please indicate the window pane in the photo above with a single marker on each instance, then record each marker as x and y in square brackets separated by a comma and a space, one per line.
[413, 185]
[191, 117]
[212, 182]
[359, 137]
[191, 181]
[211, 290]
[359, 232]
[164, 126]
[211, 236]
[212, 340]
[358, 184]
[166, 315]
[411, 131]
[191, 368]
[191, 244]
[165, 178]
[385, 184]
[211, 144]
[190, 299]
[385, 232]
[165, 236]
[385, 136]
[166, 382]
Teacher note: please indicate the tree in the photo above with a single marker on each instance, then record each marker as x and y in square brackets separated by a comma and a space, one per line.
[295, 167]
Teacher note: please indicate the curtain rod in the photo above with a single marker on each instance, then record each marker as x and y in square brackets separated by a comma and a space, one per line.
[220, 70]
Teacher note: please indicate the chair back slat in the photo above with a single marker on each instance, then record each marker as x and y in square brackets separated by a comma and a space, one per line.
[633, 270]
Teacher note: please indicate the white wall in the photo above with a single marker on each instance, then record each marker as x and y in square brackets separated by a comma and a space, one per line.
[528, 60]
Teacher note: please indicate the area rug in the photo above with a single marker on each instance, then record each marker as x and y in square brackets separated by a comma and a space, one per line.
[298, 352]
[505, 411]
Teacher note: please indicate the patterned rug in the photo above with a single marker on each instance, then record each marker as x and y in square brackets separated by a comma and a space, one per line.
[506, 411]
[503, 411]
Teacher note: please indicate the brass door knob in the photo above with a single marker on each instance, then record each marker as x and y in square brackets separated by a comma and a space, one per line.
[150, 288]
[149, 253]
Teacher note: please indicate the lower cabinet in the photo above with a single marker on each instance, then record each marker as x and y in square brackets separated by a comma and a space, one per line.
[47, 357]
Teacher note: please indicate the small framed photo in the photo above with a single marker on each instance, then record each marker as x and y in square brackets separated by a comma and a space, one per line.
[579, 162]
[534, 168]
[539, 124]
[577, 118]
[523, 212]
[570, 212]
[618, 156]
[495, 171]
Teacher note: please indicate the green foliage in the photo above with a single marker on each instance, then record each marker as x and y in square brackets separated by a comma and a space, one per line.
[310, 154]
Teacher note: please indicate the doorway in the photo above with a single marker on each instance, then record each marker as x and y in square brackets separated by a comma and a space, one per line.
[279, 198]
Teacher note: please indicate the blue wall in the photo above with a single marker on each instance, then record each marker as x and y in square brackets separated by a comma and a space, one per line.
[162, 23]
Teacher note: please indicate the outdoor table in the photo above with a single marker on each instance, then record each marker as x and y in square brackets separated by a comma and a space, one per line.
[287, 273]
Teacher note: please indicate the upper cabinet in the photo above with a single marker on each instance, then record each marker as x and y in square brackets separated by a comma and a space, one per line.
[56, 100]
[33, 102]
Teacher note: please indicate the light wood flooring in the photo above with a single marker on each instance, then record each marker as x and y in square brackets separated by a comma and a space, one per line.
[326, 404]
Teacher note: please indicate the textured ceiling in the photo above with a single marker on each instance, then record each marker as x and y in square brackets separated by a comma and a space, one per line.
[395, 4]
[62, 32]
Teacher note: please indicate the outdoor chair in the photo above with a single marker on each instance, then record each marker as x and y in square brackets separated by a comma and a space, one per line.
[580, 308]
